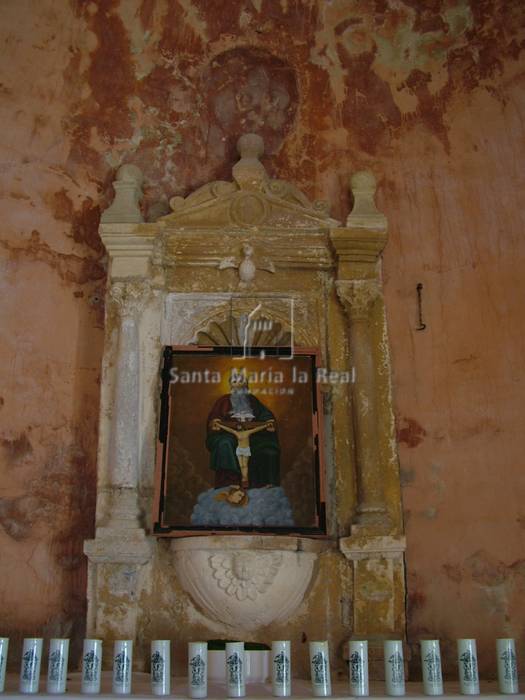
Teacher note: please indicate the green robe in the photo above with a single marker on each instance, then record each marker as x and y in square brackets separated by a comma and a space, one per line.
[264, 462]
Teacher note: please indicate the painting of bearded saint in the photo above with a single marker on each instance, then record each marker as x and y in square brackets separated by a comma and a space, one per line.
[242, 438]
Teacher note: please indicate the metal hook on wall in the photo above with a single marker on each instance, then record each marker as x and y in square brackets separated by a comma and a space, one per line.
[421, 326]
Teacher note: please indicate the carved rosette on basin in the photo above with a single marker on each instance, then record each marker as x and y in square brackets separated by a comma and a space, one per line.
[245, 581]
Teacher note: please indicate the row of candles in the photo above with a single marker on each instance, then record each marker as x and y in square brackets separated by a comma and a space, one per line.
[235, 667]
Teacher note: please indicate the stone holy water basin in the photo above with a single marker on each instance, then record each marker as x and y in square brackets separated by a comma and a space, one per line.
[246, 581]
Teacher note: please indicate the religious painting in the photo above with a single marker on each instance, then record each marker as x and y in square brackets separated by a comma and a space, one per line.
[240, 444]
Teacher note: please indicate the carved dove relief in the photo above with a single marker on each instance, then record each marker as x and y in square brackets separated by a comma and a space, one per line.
[246, 265]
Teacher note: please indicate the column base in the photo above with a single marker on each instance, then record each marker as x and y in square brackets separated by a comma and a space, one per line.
[119, 570]
[373, 518]
[379, 588]
[120, 503]
[119, 546]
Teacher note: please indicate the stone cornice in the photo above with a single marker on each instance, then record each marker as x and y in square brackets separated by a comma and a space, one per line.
[128, 240]
[357, 245]
[170, 245]
[296, 250]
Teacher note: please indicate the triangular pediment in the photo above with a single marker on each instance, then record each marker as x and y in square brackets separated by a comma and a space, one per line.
[251, 200]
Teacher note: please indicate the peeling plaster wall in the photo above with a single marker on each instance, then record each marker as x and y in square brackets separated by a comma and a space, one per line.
[427, 94]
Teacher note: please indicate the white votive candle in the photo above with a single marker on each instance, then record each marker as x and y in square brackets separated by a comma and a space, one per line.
[57, 665]
[4, 647]
[320, 669]
[160, 666]
[431, 667]
[30, 665]
[468, 667]
[394, 667]
[235, 670]
[507, 666]
[358, 667]
[91, 666]
[281, 669]
[122, 664]
[197, 669]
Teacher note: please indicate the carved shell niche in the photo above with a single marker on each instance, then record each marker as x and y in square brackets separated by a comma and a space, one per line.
[262, 332]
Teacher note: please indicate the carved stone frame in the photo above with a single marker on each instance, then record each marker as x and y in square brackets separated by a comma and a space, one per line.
[252, 236]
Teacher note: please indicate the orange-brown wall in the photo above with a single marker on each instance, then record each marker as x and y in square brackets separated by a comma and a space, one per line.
[427, 94]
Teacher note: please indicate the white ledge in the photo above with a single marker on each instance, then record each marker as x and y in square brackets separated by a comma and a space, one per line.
[141, 688]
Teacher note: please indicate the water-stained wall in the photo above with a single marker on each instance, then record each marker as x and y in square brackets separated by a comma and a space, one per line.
[429, 96]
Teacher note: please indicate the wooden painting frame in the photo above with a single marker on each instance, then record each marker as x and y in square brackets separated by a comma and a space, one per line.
[265, 468]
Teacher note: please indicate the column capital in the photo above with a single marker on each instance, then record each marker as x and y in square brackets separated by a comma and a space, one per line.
[358, 297]
[130, 297]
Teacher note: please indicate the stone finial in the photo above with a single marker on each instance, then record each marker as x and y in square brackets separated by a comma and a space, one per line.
[250, 146]
[249, 172]
[365, 213]
[130, 173]
[125, 208]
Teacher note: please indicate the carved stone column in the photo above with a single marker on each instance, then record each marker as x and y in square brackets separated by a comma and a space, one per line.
[124, 454]
[375, 547]
[358, 247]
[120, 549]
[119, 556]
[358, 298]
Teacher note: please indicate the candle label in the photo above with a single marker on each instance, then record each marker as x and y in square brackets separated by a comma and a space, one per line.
[511, 668]
[122, 668]
[56, 666]
[433, 664]
[356, 668]
[320, 668]
[282, 668]
[397, 674]
[29, 664]
[198, 671]
[91, 666]
[470, 666]
[234, 664]
[157, 667]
